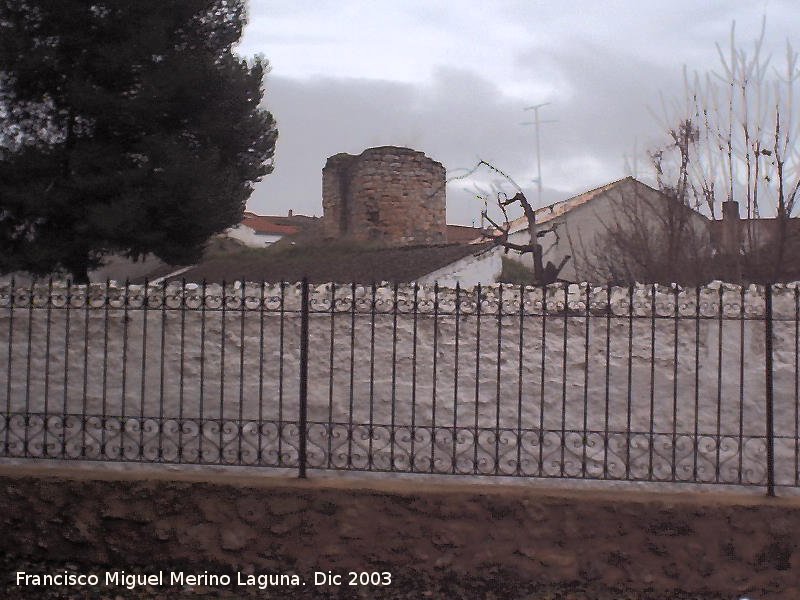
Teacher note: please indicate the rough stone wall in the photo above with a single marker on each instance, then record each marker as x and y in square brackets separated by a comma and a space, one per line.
[386, 194]
[174, 363]
[697, 543]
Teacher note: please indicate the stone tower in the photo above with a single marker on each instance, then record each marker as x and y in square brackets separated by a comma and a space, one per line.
[385, 194]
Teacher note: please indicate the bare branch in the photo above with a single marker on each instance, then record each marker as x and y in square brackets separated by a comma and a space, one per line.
[502, 232]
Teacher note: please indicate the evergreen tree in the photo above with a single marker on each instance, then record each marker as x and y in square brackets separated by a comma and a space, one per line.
[126, 126]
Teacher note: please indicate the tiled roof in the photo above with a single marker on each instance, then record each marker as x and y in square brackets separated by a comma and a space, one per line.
[338, 263]
[267, 225]
[548, 213]
[463, 234]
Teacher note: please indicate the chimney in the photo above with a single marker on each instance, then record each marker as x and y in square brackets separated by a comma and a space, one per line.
[730, 210]
[730, 240]
[290, 212]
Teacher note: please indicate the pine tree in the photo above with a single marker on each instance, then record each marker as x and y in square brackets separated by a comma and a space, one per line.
[126, 127]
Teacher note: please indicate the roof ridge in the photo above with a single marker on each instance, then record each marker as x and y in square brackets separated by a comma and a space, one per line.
[603, 187]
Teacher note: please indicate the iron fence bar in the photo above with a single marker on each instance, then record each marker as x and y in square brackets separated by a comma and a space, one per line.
[281, 342]
[145, 306]
[124, 382]
[652, 380]
[106, 308]
[796, 385]
[162, 356]
[769, 370]
[11, 301]
[26, 418]
[542, 379]
[630, 384]
[330, 375]
[584, 436]
[221, 412]
[674, 467]
[352, 374]
[696, 441]
[607, 381]
[201, 415]
[434, 370]
[86, 301]
[498, 380]
[371, 376]
[242, 339]
[412, 455]
[181, 370]
[478, 304]
[261, 311]
[45, 421]
[303, 398]
[455, 376]
[564, 384]
[741, 386]
[720, 308]
[519, 376]
[392, 439]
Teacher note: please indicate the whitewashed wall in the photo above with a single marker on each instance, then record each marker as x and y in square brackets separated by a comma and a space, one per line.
[249, 237]
[578, 229]
[469, 271]
[375, 360]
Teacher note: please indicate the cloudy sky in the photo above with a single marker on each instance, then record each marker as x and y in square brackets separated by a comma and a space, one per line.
[452, 77]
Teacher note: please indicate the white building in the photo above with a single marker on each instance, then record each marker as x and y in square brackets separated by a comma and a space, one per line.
[258, 231]
[579, 223]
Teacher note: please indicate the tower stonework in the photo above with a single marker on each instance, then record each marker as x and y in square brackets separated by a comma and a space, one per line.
[387, 194]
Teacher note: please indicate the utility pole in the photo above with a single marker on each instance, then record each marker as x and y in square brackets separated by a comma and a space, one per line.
[536, 122]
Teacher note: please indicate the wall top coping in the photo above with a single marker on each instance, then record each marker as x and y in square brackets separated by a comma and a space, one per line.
[716, 299]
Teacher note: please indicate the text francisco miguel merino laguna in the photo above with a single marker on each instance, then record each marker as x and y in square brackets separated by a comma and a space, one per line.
[162, 578]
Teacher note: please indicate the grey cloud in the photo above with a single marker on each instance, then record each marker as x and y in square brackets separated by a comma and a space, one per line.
[600, 97]
[455, 120]
[458, 118]
[605, 104]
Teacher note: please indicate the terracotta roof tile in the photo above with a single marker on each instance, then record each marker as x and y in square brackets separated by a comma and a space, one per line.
[548, 213]
[461, 234]
[266, 224]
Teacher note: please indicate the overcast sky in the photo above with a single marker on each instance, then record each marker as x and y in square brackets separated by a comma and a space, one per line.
[451, 78]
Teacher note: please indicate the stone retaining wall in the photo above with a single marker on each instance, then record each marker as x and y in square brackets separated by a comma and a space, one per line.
[742, 545]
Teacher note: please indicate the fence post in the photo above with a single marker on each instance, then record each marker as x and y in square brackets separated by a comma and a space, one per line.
[303, 399]
[769, 391]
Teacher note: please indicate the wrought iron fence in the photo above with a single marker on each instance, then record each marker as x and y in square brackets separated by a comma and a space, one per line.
[640, 383]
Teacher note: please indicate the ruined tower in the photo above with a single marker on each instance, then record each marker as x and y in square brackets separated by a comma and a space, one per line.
[386, 194]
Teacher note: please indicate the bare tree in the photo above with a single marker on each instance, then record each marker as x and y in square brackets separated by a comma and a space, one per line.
[744, 148]
[732, 148]
[500, 233]
[649, 235]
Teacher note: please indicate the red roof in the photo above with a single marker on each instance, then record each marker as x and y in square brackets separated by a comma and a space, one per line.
[265, 224]
[463, 234]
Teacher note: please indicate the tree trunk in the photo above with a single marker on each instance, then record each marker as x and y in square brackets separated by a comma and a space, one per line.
[80, 276]
[538, 267]
[79, 270]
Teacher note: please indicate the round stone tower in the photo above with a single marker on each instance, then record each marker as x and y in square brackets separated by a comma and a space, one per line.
[386, 194]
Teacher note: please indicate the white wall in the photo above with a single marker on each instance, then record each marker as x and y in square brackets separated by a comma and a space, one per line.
[579, 228]
[468, 271]
[511, 382]
[249, 237]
